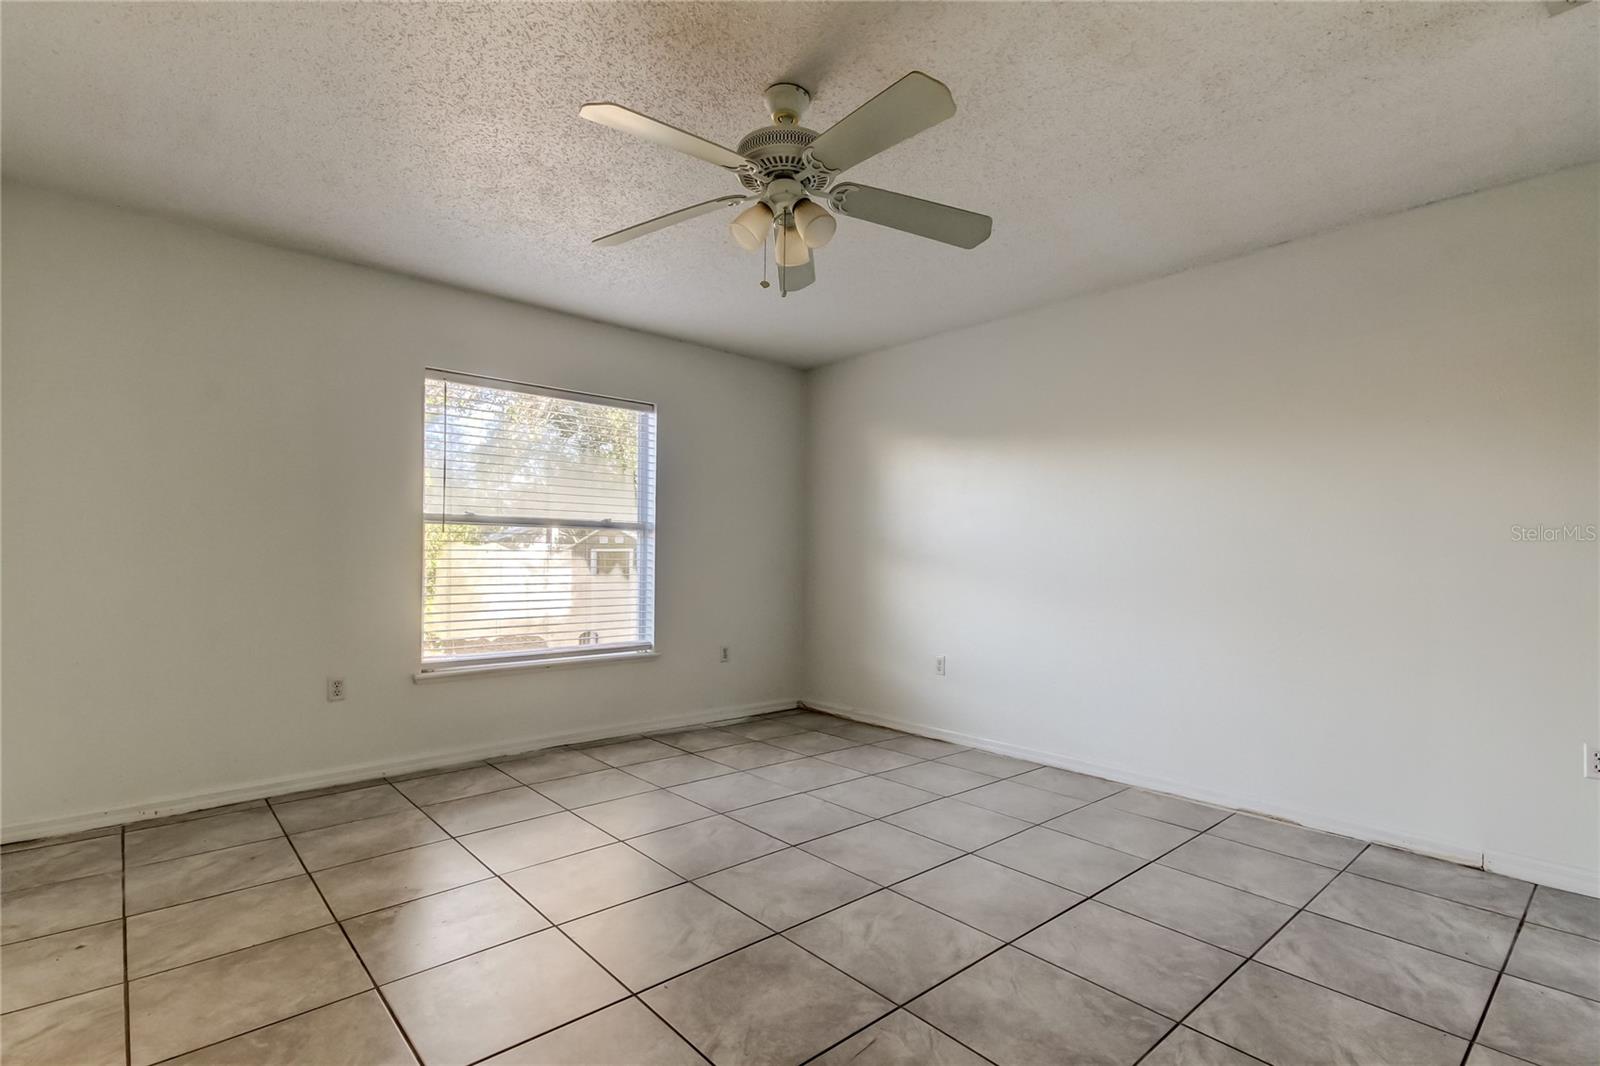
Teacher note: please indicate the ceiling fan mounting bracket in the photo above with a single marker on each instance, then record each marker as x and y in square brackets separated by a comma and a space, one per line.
[787, 102]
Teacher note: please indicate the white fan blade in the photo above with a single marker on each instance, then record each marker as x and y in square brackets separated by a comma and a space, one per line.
[793, 279]
[903, 110]
[672, 218]
[924, 218]
[657, 132]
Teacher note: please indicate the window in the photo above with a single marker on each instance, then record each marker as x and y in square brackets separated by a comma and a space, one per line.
[538, 523]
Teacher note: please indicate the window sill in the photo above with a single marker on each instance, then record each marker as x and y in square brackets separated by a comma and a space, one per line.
[454, 673]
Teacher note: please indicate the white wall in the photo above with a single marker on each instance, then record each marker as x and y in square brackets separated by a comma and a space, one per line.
[1245, 531]
[212, 491]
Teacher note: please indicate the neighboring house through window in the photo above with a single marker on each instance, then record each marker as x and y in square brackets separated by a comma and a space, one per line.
[538, 521]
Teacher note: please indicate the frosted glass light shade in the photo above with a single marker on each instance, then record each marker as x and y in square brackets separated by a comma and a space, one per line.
[791, 250]
[816, 226]
[750, 228]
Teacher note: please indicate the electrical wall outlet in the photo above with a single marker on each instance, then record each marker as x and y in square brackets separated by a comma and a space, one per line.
[335, 689]
[938, 666]
[1591, 761]
[724, 653]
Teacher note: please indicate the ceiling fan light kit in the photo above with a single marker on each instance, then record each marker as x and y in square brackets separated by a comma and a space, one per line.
[751, 227]
[816, 226]
[782, 166]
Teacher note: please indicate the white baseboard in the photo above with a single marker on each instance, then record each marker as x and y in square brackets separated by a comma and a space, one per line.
[277, 786]
[1543, 872]
[1527, 868]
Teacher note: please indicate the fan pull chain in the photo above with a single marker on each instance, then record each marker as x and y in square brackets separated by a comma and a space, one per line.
[765, 284]
[783, 253]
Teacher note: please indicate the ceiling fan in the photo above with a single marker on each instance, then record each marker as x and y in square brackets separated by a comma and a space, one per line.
[785, 168]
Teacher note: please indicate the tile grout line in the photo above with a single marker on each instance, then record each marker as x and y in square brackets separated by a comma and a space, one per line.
[631, 994]
[771, 933]
[877, 889]
[889, 887]
[1250, 958]
[348, 942]
[712, 812]
[1435, 895]
[280, 835]
[869, 819]
[492, 874]
[1222, 884]
[456, 838]
[1085, 897]
[495, 875]
[1356, 998]
[70, 995]
[127, 984]
[1390, 936]
[533, 788]
[935, 800]
[217, 895]
[269, 802]
[264, 1025]
[1373, 932]
[287, 936]
[550, 927]
[1012, 942]
[1210, 832]
[1500, 972]
[489, 875]
[735, 770]
[1494, 989]
[235, 951]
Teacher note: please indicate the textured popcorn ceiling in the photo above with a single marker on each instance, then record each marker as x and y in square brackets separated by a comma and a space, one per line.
[1111, 142]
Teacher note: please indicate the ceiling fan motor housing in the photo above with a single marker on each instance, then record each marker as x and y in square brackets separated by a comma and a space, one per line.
[776, 152]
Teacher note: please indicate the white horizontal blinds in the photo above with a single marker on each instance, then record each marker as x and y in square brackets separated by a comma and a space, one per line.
[539, 521]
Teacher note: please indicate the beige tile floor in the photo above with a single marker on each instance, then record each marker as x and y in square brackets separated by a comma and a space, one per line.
[781, 889]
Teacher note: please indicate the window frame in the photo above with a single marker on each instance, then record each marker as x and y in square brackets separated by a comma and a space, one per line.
[644, 532]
